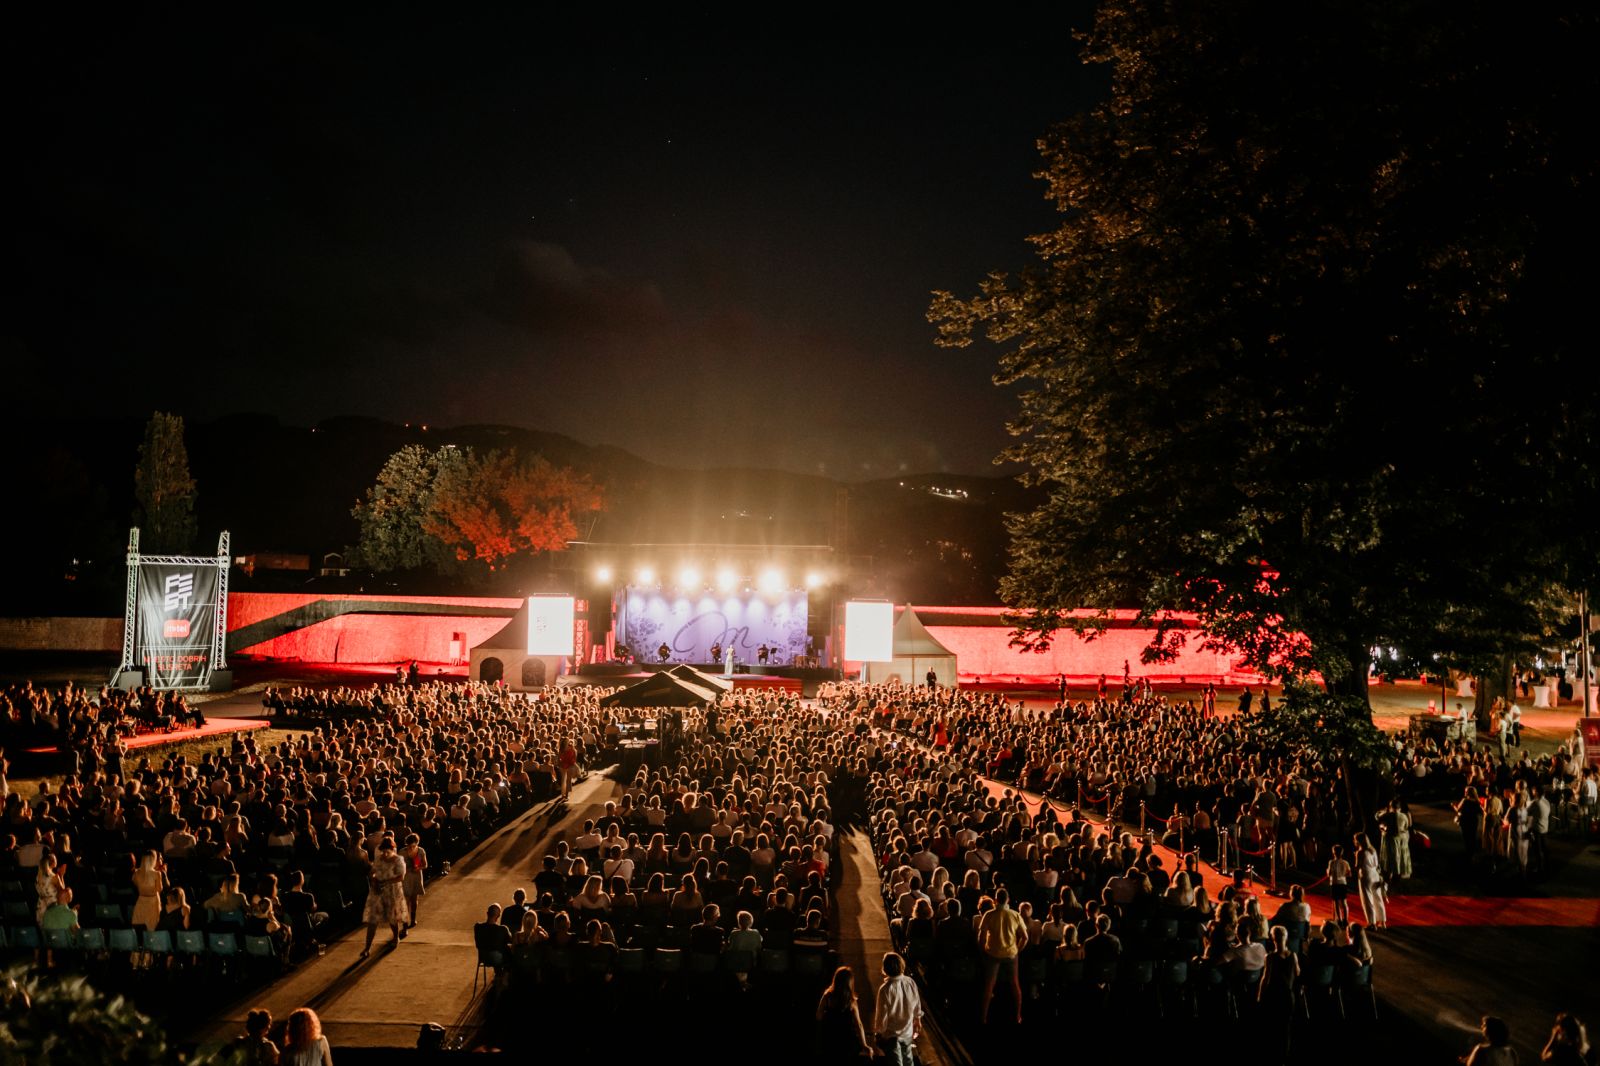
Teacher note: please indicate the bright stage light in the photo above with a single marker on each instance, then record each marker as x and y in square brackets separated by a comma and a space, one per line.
[727, 579]
[869, 631]
[813, 580]
[688, 577]
[647, 575]
[772, 579]
[602, 574]
[550, 623]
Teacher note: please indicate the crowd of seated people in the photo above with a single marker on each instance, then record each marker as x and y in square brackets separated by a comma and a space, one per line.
[985, 887]
[1189, 775]
[262, 841]
[723, 853]
[81, 722]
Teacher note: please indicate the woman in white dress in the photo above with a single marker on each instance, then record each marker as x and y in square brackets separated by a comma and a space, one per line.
[386, 898]
[1369, 877]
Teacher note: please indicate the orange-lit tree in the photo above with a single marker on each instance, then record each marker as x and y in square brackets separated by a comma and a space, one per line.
[498, 506]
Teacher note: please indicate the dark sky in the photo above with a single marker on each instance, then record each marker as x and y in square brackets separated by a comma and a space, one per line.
[702, 249]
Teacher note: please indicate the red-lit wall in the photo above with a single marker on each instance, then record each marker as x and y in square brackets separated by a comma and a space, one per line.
[358, 637]
[983, 649]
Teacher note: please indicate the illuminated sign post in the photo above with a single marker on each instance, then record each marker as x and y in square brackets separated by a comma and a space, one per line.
[550, 624]
[869, 631]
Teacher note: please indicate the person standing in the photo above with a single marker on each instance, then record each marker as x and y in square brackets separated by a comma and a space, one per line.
[414, 886]
[1469, 816]
[897, 1015]
[568, 764]
[386, 899]
[840, 1037]
[1539, 829]
[1002, 935]
[1369, 877]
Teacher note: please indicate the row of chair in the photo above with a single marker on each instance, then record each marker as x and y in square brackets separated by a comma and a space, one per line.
[577, 963]
[192, 944]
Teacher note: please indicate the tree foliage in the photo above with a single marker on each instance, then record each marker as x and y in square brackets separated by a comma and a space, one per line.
[392, 515]
[454, 507]
[52, 1021]
[491, 508]
[164, 489]
[1308, 352]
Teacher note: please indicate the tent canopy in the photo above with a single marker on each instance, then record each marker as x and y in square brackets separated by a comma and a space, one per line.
[695, 677]
[664, 689]
[912, 639]
[916, 653]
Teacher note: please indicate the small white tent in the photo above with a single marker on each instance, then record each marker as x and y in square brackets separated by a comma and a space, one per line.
[504, 657]
[915, 653]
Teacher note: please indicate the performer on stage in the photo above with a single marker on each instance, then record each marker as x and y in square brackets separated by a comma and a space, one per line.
[716, 651]
[664, 652]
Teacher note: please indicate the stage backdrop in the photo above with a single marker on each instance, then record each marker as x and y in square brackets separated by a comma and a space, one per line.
[690, 623]
[177, 623]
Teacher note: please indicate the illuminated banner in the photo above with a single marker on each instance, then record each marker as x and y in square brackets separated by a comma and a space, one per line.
[869, 631]
[550, 620]
[177, 624]
[689, 624]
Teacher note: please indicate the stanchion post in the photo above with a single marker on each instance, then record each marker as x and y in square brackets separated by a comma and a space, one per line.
[1141, 817]
[1274, 866]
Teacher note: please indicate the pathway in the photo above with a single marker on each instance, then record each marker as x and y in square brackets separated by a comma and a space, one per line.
[383, 1001]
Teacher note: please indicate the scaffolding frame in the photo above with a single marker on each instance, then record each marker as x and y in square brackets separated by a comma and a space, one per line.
[223, 561]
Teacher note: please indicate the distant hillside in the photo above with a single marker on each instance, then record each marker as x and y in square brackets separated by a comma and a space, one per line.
[933, 538]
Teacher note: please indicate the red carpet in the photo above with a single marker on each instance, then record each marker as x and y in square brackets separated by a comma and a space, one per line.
[214, 727]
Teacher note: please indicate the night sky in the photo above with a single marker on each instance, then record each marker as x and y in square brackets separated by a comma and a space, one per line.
[708, 251]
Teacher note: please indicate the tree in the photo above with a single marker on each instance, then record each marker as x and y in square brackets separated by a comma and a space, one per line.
[52, 1021]
[491, 508]
[164, 489]
[1308, 351]
[396, 507]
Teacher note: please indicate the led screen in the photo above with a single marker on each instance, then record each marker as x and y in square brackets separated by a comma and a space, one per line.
[550, 620]
[869, 631]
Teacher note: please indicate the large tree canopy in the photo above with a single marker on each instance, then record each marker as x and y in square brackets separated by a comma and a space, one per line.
[453, 506]
[1309, 350]
[490, 508]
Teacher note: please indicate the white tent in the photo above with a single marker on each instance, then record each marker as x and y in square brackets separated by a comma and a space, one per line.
[504, 657]
[915, 653]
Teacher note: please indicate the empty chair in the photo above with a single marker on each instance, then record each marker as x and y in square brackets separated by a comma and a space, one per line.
[158, 941]
[191, 942]
[60, 939]
[124, 939]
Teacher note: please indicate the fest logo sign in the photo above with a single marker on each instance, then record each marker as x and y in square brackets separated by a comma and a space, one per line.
[177, 614]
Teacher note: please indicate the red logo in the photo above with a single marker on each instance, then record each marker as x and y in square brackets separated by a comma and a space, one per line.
[175, 628]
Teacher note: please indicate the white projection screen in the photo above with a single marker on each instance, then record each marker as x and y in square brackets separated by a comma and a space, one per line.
[869, 631]
[550, 621]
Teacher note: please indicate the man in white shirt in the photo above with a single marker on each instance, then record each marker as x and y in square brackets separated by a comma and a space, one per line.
[897, 1014]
